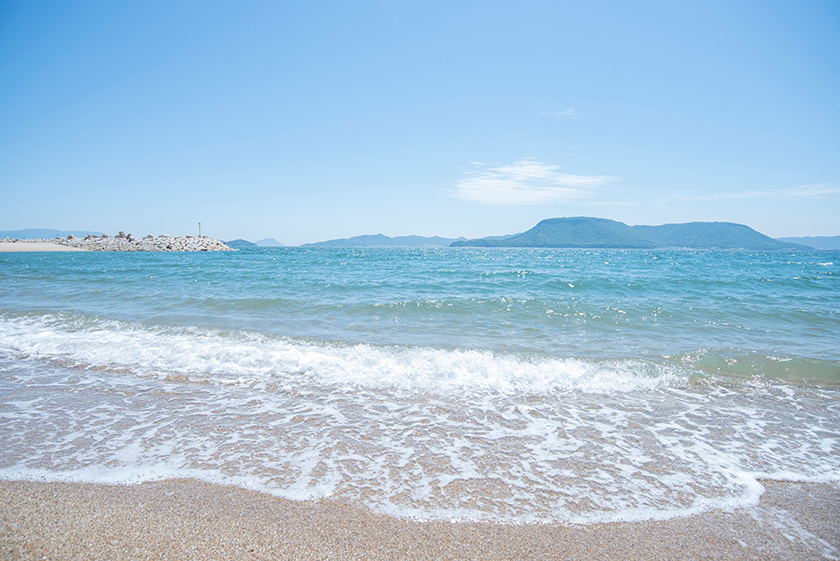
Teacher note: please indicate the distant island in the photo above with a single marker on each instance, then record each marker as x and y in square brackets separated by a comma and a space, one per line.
[268, 242]
[817, 242]
[379, 240]
[586, 232]
[239, 244]
[265, 242]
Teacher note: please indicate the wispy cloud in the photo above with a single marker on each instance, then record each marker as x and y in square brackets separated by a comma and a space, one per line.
[815, 191]
[571, 112]
[525, 182]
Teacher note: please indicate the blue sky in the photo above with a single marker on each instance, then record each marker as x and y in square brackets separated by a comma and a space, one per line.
[305, 121]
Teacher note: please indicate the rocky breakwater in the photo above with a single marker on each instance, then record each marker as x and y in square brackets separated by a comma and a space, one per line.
[123, 242]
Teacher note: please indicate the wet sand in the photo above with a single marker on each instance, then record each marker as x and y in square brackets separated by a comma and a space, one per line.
[185, 519]
[35, 246]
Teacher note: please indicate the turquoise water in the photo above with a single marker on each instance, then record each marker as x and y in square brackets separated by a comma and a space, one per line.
[508, 385]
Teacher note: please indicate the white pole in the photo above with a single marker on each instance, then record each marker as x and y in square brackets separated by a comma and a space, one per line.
[199, 229]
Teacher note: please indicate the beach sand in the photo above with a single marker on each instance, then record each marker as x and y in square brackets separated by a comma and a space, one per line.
[185, 519]
[35, 246]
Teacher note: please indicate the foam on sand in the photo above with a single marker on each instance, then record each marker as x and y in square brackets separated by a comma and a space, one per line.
[182, 519]
[411, 432]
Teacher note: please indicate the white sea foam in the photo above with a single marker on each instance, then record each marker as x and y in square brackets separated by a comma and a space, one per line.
[247, 359]
[413, 432]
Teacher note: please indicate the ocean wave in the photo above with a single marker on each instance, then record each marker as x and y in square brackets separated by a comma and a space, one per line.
[414, 432]
[246, 358]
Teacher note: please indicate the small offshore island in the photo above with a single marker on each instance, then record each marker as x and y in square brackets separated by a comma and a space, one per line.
[120, 242]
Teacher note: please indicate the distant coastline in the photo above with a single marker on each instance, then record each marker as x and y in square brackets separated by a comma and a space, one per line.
[120, 242]
[588, 232]
[817, 242]
[569, 232]
[380, 240]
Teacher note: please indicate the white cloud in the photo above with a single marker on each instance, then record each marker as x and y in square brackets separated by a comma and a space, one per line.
[571, 112]
[815, 191]
[526, 182]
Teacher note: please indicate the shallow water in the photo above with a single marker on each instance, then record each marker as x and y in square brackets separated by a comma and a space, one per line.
[505, 385]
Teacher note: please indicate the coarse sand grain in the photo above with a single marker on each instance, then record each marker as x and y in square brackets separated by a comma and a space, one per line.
[186, 519]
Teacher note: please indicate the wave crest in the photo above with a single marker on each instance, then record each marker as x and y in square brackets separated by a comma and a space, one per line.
[252, 358]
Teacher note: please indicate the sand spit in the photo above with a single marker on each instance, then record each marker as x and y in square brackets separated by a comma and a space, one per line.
[183, 519]
[120, 242]
[34, 245]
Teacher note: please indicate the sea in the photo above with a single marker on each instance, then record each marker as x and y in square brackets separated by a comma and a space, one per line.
[513, 386]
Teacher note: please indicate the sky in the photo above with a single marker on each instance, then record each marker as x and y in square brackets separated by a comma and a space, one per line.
[307, 121]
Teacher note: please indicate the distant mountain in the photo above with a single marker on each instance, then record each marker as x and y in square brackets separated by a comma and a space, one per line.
[379, 240]
[44, 234]
[269, 242]
[239, 244]
[585, 232]
[569, 232]
[721, 235]
[817, 242]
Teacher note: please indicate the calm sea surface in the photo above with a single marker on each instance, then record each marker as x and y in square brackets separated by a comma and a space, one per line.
[506, 385]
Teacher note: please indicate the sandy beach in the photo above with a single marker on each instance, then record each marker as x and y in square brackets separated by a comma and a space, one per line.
[185, 519]
[35, 246]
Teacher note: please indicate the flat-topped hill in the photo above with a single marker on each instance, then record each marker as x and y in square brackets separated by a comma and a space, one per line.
[586, 232]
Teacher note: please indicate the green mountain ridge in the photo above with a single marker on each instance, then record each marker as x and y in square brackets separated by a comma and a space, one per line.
[240, 243]
[587, 232]
[380, 240]
[265, 242]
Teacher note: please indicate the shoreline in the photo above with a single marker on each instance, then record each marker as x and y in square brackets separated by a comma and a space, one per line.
[120, 242]
[189, 519]
[29, 245]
